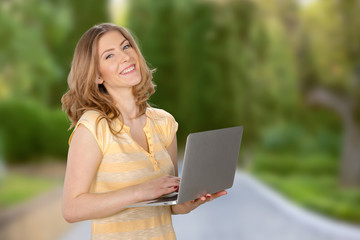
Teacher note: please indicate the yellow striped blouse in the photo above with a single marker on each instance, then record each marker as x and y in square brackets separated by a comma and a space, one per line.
[124, 164]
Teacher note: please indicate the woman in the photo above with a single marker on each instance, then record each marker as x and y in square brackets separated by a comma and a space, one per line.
[121, 151]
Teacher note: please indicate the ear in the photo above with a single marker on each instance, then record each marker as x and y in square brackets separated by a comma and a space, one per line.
[99, 80]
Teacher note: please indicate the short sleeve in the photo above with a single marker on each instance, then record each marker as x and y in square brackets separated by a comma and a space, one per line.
[99, 132]
[171, 129]
[165, 125]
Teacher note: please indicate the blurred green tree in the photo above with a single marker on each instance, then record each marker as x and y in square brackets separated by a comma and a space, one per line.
[31, 132]
[37, 39]
[207, 55]
[27, 67]
[82, 15]
[277, 75]
[330, 51]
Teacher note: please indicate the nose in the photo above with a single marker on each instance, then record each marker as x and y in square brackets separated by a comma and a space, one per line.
[124, 57]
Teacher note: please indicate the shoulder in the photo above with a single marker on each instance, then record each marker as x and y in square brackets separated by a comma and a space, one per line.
[93, 118]
[158, 114]
[165, 124]
[98, 127]
[90, 115]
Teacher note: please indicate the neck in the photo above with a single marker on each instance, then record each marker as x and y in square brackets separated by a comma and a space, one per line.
[125, 102]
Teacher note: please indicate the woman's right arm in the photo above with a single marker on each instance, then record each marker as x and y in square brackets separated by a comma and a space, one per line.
[83, 161]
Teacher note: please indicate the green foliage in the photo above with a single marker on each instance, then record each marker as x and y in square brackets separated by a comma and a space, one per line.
[338, 40]
[303, 164]
[331, 49]
[284, 164]
[284, 137]
[55, 136]
[15, 189]
[294, 138]
[20, 126]
[31, 131]
[320, 193]
[37, 41]
[207, 56]
[28, 28]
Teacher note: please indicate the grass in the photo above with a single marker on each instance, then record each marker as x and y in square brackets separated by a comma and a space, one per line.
[310, 181]
[16, 188]
[320, 194]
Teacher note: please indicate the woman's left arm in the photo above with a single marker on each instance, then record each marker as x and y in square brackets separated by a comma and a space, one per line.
[191, 205]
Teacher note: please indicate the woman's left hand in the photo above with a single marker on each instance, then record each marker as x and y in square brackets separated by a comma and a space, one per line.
[191, 205]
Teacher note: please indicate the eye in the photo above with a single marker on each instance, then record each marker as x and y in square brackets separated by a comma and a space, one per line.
[126, 46]
[109, 56]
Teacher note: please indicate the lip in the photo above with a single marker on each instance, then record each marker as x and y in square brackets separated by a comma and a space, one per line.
[132, 65]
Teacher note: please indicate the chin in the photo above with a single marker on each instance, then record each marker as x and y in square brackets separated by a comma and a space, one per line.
[134, 82]
[137, 80]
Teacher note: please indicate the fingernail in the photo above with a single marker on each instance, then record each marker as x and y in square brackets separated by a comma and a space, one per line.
[176, 187]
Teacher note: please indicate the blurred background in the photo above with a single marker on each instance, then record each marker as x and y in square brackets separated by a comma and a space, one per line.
[288, 71]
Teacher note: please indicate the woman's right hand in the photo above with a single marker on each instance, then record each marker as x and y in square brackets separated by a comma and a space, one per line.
[156, 188]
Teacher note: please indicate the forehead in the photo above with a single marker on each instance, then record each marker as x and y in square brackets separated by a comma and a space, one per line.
[109, 40]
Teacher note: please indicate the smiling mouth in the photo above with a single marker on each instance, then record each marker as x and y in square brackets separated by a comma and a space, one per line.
[128, 70]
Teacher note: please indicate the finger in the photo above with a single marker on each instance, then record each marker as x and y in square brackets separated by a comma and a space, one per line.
[221, 193]
[174, 184]
[170, 190]
[213, 196]
[199, 201]
[173, 180]
[168, 182]
[173, 177]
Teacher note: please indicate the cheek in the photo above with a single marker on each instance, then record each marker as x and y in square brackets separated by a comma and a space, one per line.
[107, 69]
[134, 55]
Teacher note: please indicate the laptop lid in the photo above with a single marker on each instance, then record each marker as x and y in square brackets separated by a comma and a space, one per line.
[210, 161]
[209, 165]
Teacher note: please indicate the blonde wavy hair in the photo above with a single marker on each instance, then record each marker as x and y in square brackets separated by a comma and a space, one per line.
[85, 94]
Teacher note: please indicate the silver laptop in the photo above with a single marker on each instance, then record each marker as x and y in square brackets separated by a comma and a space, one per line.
[209, 166]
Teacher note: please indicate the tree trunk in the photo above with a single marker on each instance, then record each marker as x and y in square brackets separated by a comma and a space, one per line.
[350, 162]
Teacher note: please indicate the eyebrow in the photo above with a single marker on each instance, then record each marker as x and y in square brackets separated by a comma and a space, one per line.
[111, 49]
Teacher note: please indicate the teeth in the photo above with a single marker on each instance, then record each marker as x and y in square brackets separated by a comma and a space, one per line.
[129, 69]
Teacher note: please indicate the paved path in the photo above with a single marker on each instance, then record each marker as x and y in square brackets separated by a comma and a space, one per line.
[250, 211]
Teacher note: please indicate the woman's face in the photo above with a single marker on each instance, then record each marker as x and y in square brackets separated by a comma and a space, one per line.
[118, 62]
